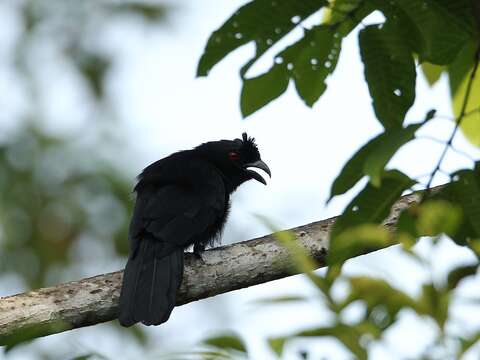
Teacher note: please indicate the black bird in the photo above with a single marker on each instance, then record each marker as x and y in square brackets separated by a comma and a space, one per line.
[182, 200]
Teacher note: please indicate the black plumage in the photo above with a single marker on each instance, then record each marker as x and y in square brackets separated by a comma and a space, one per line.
[182, 200]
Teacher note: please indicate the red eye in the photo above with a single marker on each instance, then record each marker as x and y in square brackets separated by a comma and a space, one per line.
[233, 155]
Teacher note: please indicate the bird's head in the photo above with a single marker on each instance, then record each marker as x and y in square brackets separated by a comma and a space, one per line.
[236, 158]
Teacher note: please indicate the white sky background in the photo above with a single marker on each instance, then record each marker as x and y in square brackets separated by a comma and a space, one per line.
[165, 109]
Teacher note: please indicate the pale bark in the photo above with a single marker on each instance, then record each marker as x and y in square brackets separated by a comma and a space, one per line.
[95, 300]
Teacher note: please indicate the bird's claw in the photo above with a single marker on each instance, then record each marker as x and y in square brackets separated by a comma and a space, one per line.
[197, 251]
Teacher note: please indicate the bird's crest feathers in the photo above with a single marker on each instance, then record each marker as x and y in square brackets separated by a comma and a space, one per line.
[249, 146]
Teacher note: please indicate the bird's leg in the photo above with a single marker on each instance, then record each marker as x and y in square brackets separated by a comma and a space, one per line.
[198, 249]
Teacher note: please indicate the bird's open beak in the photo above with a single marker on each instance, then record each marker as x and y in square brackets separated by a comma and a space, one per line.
[259, 164]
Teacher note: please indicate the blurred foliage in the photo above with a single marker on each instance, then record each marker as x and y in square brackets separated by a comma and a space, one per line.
[57, 190]
[65, 197]
[443, 38]
[51, 198]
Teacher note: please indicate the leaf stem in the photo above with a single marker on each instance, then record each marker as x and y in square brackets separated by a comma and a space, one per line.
[458, 121]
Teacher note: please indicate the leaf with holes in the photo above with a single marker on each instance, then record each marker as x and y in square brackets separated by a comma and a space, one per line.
[261, 21]
[389, 71]
[259, 91]
[311, 60]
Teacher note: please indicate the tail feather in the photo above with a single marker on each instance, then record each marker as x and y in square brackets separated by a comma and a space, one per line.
[150, 283]
[176, 277]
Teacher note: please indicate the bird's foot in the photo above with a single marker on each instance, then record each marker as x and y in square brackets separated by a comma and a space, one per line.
[197, 251]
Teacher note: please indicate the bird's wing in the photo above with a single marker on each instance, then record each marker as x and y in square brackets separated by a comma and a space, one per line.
[175, 213]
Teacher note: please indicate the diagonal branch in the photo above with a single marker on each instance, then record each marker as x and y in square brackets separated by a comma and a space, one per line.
[94, 300]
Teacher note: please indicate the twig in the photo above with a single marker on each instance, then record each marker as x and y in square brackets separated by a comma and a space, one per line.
[457, 122]
[442, 142]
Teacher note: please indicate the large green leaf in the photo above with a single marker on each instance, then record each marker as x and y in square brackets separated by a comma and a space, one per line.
[435, 29]
[262, 21]
[389, 71]
[373, 204]
[372, 158]
[310, 60]
[259, 91]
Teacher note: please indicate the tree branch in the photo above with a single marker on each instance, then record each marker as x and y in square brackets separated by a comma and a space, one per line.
[95, 300]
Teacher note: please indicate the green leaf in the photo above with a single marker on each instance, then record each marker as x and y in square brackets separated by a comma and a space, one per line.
[389, 144]
[435, 29]
[286, 299]
[150, 12]
[349, 336]
[346, 14]
[308, 62]
[303, 261]
[434, 303]
[356, 241]
[379, 151]
[312, 59]
[262, 21]
[228, 342]
[195, 355]
[466, 189]
[277, 345]
[91, 355]
[459, 73]
[468, 343]
[432, 72]
[373, 204]
[352, 171]
[474, 245]
[435, 217]
[379, 295]
[259, 91]
[389, 71]
[459, 273]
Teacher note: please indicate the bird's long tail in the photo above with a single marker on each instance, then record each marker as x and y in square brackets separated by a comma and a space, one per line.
[150, 283]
